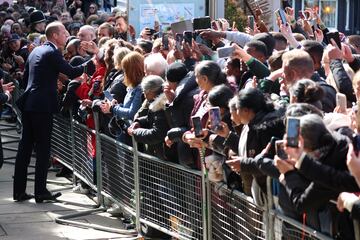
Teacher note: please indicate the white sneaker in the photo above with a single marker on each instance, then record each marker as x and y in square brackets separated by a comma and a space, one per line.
[80, 189]
[115, 210]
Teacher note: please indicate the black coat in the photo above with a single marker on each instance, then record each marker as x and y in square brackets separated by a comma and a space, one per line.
[309, 196]
[329, 100]
[342, 80]
[178, 115]
[264, 126]
[153, 128]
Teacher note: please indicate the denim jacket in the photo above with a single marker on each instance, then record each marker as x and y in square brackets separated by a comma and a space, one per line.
[132, 103]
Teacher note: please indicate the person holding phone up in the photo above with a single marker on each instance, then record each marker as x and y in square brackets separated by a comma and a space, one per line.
[261, 121]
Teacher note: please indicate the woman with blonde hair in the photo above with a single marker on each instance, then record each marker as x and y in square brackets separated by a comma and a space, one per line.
[133, 67]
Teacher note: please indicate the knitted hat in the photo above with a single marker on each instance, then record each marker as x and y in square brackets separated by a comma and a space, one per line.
[176, 72]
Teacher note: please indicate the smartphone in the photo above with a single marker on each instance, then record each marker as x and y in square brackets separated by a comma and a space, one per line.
[152, 31]
[341, 101]
[200, 40]
[224, 52]
[292, 131]
[215, 118]
[188, 36]
[301, 14]
[165, 42]
[251, 22]
[202, 23]
[282, 16]
[335, 36]
[108, 96]
[356, 143]
[179, 38]
[196, 122]
[279, 149]
[272, 150]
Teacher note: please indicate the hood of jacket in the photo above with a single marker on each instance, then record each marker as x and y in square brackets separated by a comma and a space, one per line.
[158, 104]
[268, 120]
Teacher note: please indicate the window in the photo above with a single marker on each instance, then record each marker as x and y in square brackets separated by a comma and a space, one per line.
[327, 10]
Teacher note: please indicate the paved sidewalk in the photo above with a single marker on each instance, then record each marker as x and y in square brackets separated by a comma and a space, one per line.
[31, 221]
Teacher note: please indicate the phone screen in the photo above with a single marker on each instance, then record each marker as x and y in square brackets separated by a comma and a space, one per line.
[341, 101]
[292, 131]
[224, 52]
[335, 36]
[108, 96]
[196, 121]
[215, 118]
[179, 38]
[165, 42]
[282, 16]
[279, 148]
[251, 22]
[188, 37]
[202, 23]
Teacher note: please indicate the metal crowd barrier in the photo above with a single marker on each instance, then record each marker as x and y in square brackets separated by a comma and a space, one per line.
[61, 141]
[234, 215]
[168, 197]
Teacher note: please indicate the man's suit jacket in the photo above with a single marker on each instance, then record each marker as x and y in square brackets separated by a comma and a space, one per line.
[41, 74]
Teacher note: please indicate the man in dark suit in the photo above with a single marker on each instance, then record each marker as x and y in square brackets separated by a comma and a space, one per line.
[38, 104]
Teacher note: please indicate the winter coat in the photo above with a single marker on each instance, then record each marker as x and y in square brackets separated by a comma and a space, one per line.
[178, 115]
[153, 127]
[342, 80]
[329, 100]
[264, 126]
[309, 196]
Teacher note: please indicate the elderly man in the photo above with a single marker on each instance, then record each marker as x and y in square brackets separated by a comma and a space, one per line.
[87, 33]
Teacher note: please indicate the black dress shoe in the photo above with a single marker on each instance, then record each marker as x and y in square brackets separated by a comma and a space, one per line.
[22, 197]
[47, 197]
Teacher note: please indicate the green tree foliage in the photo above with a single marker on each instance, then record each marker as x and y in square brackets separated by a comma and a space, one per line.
[234, 13]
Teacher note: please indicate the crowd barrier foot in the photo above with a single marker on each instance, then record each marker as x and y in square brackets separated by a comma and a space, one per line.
[65, 219]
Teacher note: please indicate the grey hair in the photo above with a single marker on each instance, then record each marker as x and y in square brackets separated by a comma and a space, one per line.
[314, 132]
[152, 83]
[156, 63]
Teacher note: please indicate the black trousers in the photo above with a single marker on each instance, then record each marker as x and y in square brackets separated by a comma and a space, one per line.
[36, 134]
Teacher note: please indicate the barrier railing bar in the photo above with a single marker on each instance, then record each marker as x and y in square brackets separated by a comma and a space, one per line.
[137, 187]
[356, 229]
[65, 218]
[270, 223]
[304, 228]
[204, 194]
[170, 164]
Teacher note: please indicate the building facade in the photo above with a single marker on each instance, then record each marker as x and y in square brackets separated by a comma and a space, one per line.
[337, 14]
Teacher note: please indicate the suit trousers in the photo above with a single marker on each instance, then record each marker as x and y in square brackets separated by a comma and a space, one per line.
[36, 134]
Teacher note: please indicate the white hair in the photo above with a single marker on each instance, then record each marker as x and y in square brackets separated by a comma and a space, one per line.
[155, 64]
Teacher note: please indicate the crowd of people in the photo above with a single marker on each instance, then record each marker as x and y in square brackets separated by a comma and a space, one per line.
[152, 87]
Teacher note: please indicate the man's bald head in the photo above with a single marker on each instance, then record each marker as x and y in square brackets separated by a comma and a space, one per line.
[52, 28]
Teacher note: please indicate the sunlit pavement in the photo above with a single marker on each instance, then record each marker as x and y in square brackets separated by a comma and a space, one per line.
[28, 220]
